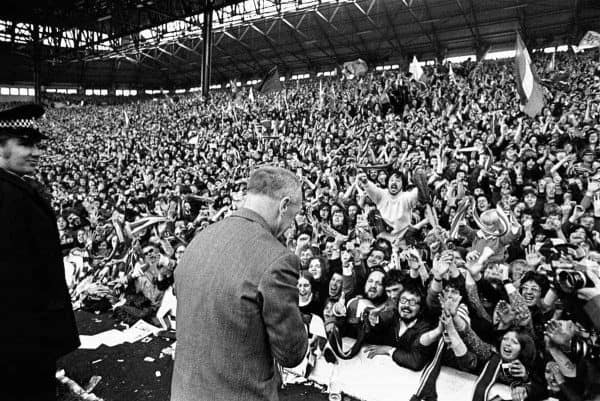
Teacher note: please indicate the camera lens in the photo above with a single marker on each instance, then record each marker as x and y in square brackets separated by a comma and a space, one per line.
[571, 281]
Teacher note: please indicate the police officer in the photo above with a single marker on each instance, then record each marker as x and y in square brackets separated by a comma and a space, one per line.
[39, 324]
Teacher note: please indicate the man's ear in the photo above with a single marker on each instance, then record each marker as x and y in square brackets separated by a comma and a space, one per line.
[284, 204]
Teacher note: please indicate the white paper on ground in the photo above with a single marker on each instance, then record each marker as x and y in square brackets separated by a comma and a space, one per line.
[140, 330]
[111, 338]
[89, 342]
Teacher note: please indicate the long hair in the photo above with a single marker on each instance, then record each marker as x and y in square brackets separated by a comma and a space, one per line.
[528, 351]
[324, 268]
[308, 277]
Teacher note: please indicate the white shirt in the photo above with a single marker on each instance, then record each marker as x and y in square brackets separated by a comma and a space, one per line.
[396, 210]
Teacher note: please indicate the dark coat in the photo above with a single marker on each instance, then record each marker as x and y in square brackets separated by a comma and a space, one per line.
[237, 312]
[33, 290]
[408, 353]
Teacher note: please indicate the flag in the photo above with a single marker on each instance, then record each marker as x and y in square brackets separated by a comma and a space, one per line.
[321, 95]
[552, 64]
[590, 39]
[251, 95]
[407, 3]
[451, 74]
[415, 69]
[233, 87]
[356, 68]
[271, 82]
[126, 119]
[528, 86]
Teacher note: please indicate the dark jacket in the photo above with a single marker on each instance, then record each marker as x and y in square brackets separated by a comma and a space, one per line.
[33, 289]
[237, 311]
[409, 352]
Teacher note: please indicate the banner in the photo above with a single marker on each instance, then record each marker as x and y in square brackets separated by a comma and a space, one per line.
[528, 86]
[590, 39]
[271, 82]
[356, 68]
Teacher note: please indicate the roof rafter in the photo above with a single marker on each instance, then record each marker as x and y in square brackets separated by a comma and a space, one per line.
[378, 28]
[473, 29]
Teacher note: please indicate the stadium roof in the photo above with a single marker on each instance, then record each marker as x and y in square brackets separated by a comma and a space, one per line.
[153, 44]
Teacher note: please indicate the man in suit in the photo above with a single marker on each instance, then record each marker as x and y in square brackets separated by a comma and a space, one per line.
[42, 325]
[237, 309]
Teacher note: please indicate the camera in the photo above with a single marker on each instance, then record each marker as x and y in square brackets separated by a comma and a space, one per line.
[506, 369]
[570, 280]
[585, 348]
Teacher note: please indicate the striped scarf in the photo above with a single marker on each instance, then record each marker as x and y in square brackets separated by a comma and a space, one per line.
[427, 384]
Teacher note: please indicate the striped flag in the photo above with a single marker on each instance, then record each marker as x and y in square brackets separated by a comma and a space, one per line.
[528, 85]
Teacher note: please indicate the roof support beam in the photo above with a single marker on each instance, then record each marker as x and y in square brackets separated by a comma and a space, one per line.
[474, 18]
[365, 50]
[269, 41]
[160, 49]
[246, 48]
[389, 20]
[437, 45]
[295, 33]
[433, 39]
[575, 28]
[324, 34]
[474, 30]
[378, 28]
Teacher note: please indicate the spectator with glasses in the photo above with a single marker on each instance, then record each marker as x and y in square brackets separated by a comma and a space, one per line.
[407, 337]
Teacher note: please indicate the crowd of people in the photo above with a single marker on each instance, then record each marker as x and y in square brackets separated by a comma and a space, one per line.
[440, 224]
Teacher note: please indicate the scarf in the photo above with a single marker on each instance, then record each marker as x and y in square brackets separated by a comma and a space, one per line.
[427, 384]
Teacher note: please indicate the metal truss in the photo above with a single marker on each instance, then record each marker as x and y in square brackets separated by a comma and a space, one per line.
[164, 37]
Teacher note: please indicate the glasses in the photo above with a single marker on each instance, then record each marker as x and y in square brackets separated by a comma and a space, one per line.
[411, 302]
[530, 289]
[150, 252]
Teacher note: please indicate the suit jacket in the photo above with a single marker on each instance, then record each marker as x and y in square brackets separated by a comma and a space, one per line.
[237, 312]
[33, 289]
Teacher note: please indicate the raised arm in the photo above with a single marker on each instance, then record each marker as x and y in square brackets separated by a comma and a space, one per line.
[371, 189]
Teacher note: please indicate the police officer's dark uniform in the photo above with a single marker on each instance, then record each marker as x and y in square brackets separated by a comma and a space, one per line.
[38, 322]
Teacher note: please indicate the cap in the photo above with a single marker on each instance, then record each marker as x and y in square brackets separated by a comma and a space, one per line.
[19, 122]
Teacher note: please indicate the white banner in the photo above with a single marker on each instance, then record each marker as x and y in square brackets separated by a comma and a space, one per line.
[590, 39]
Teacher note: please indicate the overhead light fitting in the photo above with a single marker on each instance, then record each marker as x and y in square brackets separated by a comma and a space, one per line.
[106, 17]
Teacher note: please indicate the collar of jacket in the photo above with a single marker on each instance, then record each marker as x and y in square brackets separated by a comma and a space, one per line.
[15, 179]
[22, 183]
[251, 215]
